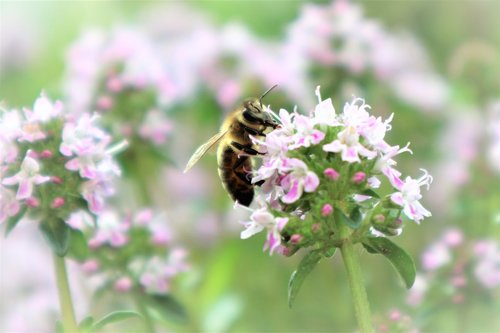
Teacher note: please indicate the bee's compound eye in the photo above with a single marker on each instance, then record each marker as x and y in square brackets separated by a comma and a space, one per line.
[247, 114]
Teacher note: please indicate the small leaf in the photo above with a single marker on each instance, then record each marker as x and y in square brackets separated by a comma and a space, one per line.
[56, 233]
[370, 193]
[330, 252]
[86, 324]
[340, 216]
[398, 257]
[78, 246]
[356, 216]
[306, 265]
[167, 308]
[14, 220]
[114, 317]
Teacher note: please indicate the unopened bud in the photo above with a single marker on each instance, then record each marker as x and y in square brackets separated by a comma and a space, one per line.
[114, 84]
[104, 103]
[315, 227]
[57, 180]
[46, 154]
[57, 202]
[123, 284]
[358, 177]
[295, 239]
[326, 210]
[32, 202]
[379, 219]
[331, 173]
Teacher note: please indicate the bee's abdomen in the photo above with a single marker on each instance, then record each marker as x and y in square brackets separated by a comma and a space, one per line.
[236, 181]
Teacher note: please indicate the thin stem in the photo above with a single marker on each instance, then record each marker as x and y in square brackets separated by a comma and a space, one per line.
[65, 300]
[146, 318]
[360, 299]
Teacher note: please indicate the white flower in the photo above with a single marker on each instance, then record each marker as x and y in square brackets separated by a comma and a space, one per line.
[409, 195]
[348, 144]
[261, 219]
[27, 177]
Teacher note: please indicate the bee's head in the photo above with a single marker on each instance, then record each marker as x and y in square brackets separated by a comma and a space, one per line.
[254, 113]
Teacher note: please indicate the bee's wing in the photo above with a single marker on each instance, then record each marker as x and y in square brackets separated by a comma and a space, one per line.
[203, 149]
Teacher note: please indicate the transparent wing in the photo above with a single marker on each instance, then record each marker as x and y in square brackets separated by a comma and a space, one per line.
[203, 149]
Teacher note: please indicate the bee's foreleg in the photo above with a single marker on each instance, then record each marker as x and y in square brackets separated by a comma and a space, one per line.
[253, 131]
[246, 149]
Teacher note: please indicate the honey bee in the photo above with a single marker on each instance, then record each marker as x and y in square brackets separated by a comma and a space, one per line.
[235, 147]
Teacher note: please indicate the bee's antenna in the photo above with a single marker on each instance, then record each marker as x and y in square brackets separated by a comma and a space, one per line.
[264, 94]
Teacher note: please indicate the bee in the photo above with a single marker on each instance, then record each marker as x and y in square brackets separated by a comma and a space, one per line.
[235, 148]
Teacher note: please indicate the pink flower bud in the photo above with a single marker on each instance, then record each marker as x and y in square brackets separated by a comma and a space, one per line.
[104, 103]
[315, 227]
[114, 84]
[295, 239]
[32, 202]
[358, 177]
[123, 284]
[57, 180]
[395, 315]
[33, 154]
[46, 154]
[326, 210]
[90, 266]
[57, 202]
[379, 218]
[331, 173]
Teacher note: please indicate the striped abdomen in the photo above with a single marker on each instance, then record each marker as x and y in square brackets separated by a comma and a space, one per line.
[236, 180]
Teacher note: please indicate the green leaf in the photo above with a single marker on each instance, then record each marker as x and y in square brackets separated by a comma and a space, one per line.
[56, 233]
[402, 261]
[78, 246]
[330, 252]
[86, 324]
[340, 216]
[167, 308]
[371, 193]
[14, 220]
[356, 216]
[306, 265]
[114, 317]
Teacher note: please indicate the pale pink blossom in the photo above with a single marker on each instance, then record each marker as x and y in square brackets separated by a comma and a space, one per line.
[155, 127]
[298, 180]
[409, 195]
[9, 205]
[347, 143]
[111, 229]
[262, 220]
[28, 176]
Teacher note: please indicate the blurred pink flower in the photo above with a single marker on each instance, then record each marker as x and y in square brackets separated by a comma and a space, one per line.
[27, 177]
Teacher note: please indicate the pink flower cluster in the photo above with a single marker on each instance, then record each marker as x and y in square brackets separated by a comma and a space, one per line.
[457, 262]
[337, 35]
[494, 133]
[175, 60]
[153, 263]
[310, 154]
[44, 147]
[102, 66]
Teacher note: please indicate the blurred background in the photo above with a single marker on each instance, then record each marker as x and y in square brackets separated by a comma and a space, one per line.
[164, 75]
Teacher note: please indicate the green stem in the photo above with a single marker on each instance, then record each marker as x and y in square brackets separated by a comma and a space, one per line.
[146, 318]
[65, 301]
[360, 299]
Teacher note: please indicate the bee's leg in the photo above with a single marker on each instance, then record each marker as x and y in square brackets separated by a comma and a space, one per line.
[252, 131]
[246, 149]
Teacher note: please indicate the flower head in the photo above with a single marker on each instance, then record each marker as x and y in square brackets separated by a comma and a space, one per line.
[321, 167]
